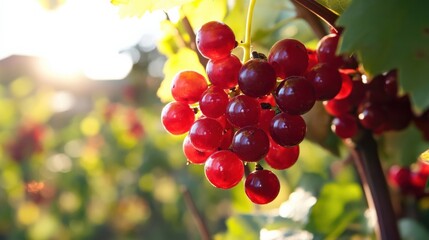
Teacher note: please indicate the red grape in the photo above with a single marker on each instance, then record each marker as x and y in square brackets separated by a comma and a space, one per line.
[327, 48]
[223, 169]
[188, 86]
[326, 81]
[344, 126]
[346, 86]
[288, 57]
[250, 144]
[177, 117]
[215, 40]
[262, 186]
[224, 72]
[243, 111]
[213, 102]
[193, 155]
[280, 157]
[206, 134]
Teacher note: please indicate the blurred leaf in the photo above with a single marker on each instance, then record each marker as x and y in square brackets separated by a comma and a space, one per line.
[403, 147]
[213, 11]
[337, 6]
[236, 19]
[410, 229]
[397, 40]
[185, 59]
[138, 8]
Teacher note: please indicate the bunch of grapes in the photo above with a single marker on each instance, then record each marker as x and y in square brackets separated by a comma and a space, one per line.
[410, 181]
[252, 111]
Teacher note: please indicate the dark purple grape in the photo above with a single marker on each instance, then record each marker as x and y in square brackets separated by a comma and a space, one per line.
[262, 186]
[288, 130]
[326, 80]
[257, 78]
[295, 95]
[344, 126]
[288, 57]
[250, 143]
[243, 111]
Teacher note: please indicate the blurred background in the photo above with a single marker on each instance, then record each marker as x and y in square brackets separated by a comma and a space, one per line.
[83, 153]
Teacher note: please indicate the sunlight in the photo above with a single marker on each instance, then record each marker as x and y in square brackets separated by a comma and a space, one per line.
[73, 40]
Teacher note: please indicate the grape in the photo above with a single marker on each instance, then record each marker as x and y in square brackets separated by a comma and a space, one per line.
[312, 59]
[295, 95]
[206, 134]
[344, 126]
[391, 85]
[288, 130]
[243, 111]
[193, 155]
[223, 169]
[262, 186]
[372, 116]
[177, 117]
[346, 86]
[224, 72]
[326, 50]
[188, 86]
[281, 158]
[257, 78]
[213, 102]
[338, 107]
[399, 113]
[326, 81]
[250, 144]
[265, 119]
[288, 57]
[399, 177]
[215, 40]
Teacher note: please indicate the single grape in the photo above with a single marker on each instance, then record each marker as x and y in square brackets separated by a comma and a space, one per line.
[280, 157]
[250, 144]
[265, 119]
[223, 169]
[262, 186]
[288, 130]
[243, 111]
[193, 155]
[338, 107]
[224, 72]
[206, 134]
[326, 80]
[372, 116]
[346, 86]
[213, 102]
[399, 113]
[177, 117]
[188, 86]
[257, 78]
[344, 126]
[326, 50]
[215, 40]
[295, 95]
[399, 177]
[288, 57]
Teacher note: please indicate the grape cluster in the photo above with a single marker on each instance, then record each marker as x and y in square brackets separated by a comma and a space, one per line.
[253, 110]
[410, 181]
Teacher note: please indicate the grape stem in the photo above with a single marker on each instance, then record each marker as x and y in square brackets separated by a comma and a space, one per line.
[247, 36]
[319, 10]
[368, 165]
[201, 225]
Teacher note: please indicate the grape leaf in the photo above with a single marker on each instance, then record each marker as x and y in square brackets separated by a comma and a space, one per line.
[137, 8]
[337, 6]
[391, 35]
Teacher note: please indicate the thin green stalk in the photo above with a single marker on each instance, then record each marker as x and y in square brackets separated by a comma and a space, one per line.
[247, 36]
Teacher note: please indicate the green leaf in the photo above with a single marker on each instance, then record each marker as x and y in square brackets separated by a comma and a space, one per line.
[411, 229]
[337, 6]
[137, 8]
[391, 35]
[201, 11]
